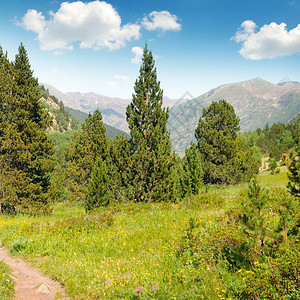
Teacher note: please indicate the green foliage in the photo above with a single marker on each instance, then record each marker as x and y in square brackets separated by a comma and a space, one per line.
[150, 143]
[275, 140]
[254, 216]
[120, 165]
[98, 186]
[62, 120]
[61, 140]
[273, 165]
[80, 155]
[294, 174]
[286, 207]
[192, 168]
[25, 150]
[19, 245]
[225, 158]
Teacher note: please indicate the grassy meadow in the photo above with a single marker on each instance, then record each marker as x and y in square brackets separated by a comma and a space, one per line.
[194, 249]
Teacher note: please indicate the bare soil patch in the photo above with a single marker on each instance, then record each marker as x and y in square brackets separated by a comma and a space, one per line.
[31, 284]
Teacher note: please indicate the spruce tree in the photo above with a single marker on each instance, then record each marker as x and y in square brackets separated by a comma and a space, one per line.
[25, 150]
[150, 141]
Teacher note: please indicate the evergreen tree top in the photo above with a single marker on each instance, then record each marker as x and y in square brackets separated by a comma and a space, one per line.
[146, 117]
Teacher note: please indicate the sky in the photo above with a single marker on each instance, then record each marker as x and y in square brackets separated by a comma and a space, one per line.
[96, 46]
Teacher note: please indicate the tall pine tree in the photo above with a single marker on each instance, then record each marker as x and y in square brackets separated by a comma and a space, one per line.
[150, 142]
[25, 151]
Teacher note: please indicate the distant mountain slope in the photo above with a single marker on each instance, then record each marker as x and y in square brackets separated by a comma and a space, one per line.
[257, 102]
[113, 109]
[65, 118]
[62, 120]
[80, 116]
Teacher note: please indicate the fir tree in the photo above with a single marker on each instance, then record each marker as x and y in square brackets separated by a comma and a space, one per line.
[150, 141]
[25, 150]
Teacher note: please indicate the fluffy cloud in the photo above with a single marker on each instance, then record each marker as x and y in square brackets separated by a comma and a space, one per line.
[270, 41]
[94, 25]
[247, 28]
[138, 52]
[33, 21]
[161, 20]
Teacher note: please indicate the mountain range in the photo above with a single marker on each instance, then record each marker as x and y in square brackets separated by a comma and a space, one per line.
[65, 118]
[113, 109]
[256, 101]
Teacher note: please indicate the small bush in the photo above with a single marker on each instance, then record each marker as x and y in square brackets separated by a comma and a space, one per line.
[19, 245]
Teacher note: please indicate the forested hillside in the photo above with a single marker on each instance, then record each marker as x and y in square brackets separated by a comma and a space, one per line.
[62, 120]
[66, 118]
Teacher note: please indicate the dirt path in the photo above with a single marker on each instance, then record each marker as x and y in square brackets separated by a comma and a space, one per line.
[31, 284]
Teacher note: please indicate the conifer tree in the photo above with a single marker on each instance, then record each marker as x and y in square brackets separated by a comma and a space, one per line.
[120, 165]
[80, 156]
[25, 150]
[98, 186]
[193, 172]
[150, 141]
[294, 174]
[223, 154]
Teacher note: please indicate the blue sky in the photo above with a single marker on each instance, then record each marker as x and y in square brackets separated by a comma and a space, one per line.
[198, 44]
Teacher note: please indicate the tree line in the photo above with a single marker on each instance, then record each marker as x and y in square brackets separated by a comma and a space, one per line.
[97, 171]
[276, 140]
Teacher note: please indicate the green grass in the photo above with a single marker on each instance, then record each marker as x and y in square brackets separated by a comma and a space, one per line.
[136, 251]
[6, 283]
[276, 180]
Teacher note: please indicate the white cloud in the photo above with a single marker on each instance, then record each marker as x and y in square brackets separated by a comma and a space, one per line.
[122, 77]
[94, 25]
[138, 52]
[161, 20]
[247, 28]
[270, 41]
[33, 21]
